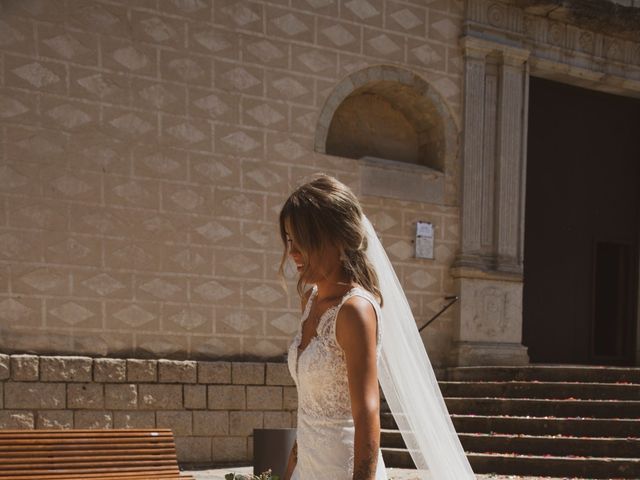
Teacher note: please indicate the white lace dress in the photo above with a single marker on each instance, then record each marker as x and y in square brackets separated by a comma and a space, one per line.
[325, 432]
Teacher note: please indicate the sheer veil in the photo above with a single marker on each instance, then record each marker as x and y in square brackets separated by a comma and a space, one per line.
[409, 383]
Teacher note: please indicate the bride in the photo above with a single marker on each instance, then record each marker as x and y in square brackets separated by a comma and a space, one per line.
[356, 330]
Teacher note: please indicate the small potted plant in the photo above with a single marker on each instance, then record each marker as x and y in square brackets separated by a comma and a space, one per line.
[241, 476]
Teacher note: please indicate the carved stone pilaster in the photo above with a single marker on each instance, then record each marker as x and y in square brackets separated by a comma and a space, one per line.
[511, 135]
[489, 267]
[493, 153]
[474, 87]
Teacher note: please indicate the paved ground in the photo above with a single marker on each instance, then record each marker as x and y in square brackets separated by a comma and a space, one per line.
[392, 473]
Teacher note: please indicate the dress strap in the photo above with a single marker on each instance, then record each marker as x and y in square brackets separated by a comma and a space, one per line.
[307, 307]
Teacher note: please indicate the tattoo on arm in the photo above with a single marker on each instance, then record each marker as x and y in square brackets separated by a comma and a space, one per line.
[366, 468]
[294, 451]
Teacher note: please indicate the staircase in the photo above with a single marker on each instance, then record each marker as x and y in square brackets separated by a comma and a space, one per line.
[555, 421]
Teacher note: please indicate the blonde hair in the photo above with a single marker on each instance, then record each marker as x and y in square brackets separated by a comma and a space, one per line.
[325, 212]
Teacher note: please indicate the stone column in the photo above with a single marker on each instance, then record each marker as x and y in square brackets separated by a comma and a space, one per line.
[488, 270]
[510, 159]
[474, 92]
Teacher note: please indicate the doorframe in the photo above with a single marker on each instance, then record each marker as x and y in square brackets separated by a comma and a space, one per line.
[632, 329]
[529, 44]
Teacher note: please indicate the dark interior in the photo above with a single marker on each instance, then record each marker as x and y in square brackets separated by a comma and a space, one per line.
[582, 220]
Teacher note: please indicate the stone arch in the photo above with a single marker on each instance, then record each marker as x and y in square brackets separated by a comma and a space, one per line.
[423, 130]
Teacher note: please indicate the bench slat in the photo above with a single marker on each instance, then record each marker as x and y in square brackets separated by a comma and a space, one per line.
[103, 476]
[141, 459]
[72, 450]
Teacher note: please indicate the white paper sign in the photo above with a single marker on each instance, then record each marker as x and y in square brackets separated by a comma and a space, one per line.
[424, 240]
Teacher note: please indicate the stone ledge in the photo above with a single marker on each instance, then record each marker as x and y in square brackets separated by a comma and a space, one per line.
[75, 369]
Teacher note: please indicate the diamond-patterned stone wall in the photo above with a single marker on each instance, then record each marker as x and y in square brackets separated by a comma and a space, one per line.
[145, 150]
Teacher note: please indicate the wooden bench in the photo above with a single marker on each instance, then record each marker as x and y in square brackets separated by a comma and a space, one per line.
[88, 454]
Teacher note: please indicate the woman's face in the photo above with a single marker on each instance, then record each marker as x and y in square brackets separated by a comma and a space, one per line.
[321, 264]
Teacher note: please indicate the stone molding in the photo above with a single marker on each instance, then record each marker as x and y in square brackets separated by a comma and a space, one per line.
[388, 73]
[560, 47]
[212, 406]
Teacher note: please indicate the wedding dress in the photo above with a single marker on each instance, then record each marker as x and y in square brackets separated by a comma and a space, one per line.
[325, 431]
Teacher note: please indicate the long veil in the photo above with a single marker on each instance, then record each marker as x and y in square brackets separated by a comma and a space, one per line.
[409, 383]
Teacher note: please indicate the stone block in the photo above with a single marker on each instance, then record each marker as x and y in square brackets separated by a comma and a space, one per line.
[16, 419]
[5, 365]
[85, 396]
[54, 419]
[289, 398]
[277, 420]
[25, 368]
[109, 370]
[122, 419]
[94, 419]
[120, 396]
[229, 449]
[160, 397]
[65, 369]
[34, 395]
[179, 421]
[142, 370]
[177, 371]
[243, 423]
[193, 449]
[226, 397]
[264, 398]
[195, 396]
[278, 374]
[210, 423]
[247, 373]
[214, 372]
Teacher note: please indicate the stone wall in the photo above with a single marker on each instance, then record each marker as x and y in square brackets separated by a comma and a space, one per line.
[146, 148]
[212, 407]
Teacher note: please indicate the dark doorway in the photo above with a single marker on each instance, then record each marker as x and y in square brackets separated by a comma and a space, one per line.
[582, 223]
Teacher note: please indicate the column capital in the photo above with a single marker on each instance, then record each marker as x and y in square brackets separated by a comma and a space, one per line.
[514, 56]
[479, 48]
[476, 47]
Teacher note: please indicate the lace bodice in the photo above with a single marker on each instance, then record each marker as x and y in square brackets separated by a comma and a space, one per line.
[325, 427]
[320, 371]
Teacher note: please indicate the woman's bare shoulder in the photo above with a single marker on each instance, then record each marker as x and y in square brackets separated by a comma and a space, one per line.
[355, 320]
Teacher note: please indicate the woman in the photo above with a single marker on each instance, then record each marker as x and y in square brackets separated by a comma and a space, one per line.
[333, 358]
[357, 329]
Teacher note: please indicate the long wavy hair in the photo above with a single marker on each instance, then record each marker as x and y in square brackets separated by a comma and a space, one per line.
[325, 212]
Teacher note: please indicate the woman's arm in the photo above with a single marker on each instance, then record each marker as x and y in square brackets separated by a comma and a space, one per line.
[293, 459]
[356, 334]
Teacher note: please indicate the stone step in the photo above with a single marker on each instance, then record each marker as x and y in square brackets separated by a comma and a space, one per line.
[533, 445]
[546, 420]
[544, 407]
[546, 373]
[556, 466]
[575, 427]
[551, 390]
[567, 426]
